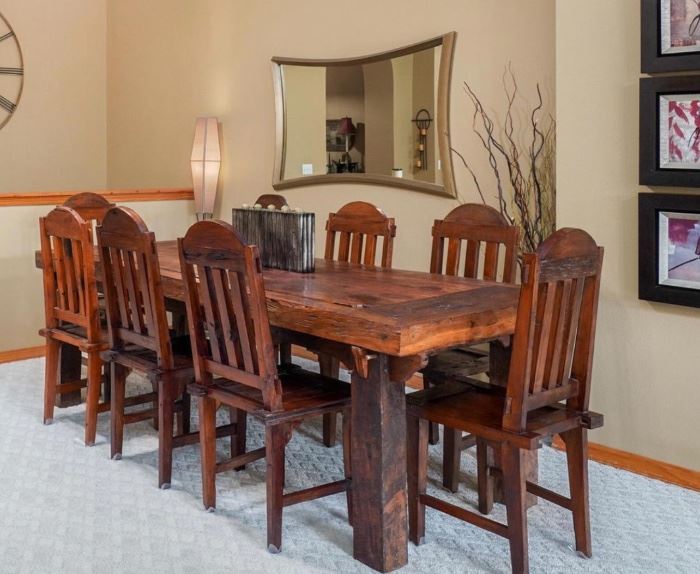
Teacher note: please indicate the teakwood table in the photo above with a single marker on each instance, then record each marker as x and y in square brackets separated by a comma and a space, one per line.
[383, 324]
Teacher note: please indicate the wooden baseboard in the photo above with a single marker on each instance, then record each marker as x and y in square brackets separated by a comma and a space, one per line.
[21, 354]
[642, 465]
[58, 197]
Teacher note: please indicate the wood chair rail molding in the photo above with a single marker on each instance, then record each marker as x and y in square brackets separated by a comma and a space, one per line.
[58, 197]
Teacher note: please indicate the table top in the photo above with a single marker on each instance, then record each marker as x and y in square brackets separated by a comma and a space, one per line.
[389, 311]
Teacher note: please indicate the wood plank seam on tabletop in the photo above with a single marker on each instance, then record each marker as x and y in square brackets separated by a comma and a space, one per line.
[58, 197]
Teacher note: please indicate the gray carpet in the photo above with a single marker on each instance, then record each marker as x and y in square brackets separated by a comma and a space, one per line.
[65, 508]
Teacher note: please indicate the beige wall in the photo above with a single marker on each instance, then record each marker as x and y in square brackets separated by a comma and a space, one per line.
[169, 64]
[55, 141]
[57, 137]
[646, 370]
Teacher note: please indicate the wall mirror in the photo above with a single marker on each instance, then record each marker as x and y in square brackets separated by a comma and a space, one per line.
[381, 119]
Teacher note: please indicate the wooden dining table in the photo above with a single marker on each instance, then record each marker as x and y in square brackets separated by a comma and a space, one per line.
[383, 324]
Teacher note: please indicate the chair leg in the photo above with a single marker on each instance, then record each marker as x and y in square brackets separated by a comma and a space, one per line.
[285, 353]
[166, 407]
[183, 418]
[434, 428]
[516, 509]
[576, 441]
[116, 415]
[452, 453]
[207, 441]
[53, 349]
[347, 458]
[238, 438]
[417, 462]
[94, 382]
[484, 478]
[330, 367]
[274, 454]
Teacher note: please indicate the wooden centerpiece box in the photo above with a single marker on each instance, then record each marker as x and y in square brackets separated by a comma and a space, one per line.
[285, 238]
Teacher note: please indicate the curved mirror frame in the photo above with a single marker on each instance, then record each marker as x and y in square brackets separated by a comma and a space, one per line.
[442, 121]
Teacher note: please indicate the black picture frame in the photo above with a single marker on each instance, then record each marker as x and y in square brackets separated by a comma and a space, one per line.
[650, 92]
[653, 60]
[651, 207]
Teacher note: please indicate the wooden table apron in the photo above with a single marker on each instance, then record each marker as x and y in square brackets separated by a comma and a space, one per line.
[383, 324]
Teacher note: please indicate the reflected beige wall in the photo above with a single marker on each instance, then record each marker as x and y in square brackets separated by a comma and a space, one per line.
[645, 375]
[305, 89]
[379, 114]
[403, 108]
[424, 98]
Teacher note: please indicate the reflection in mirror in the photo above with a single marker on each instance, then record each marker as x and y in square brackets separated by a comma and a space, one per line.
[380, 119]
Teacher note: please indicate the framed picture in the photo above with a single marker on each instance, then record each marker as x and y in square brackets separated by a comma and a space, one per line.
[669, 248]
[669, 131]
[334, 141]
[670, 35]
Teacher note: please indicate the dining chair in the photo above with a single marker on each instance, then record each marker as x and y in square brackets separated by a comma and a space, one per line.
[235, 365]
[71, 310]
[476, 241]
[140, 341]
[550, 363]
[91, 206]
[267, 199]
[353, 234]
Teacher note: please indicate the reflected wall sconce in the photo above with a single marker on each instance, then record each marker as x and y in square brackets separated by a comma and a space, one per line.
[422, 120]
[206, 163]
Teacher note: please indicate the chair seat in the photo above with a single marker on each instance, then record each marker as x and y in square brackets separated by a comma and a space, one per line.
[304, 394]
[456, 364]
[480, 412]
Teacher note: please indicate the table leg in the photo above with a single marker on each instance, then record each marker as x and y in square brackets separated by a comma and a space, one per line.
[379, 468]
[69, 371]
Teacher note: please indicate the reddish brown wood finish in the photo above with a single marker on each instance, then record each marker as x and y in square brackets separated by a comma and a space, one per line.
[279, 201]
[401, 314]
[551, 363]
[234, 359]
[91, 206]
[139, 339]
[71, 309]
[476, 241]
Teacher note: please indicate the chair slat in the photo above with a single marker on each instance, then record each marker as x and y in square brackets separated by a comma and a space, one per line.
[117, 270]
[69, 273]
[545, 312]
[132, 291]
[370, 250]
[224, 312]
[208, 300]
[356, 248]
[471, 265]
[144, 294]
[559, 321]
[454, 248]
[344, 246]
[245, 326]
[491, 261]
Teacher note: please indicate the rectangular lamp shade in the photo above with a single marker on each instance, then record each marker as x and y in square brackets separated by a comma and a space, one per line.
[206, 162]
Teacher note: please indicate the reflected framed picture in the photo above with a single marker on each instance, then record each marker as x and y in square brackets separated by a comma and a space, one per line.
[334, 140]
[670, 35]
[669, 131]
[669, 248]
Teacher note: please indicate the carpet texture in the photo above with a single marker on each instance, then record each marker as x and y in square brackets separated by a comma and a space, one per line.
[65, 508]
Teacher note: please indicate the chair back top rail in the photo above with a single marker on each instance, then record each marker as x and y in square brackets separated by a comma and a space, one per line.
[132, 285]
[91, 206]
[358, 226]
[279, 201]
[70, 288]
[555, 326]
[227, 311]
[478, 226]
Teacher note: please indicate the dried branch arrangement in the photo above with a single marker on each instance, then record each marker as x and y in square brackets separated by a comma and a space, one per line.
[524, 172]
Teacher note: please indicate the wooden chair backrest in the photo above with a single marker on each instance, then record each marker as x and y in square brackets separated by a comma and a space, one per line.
[226, 310]
[132, 285]
[279, 201]
[476, 225]
[555, 326]
[359, 225]
[70, 288]
[91, 206]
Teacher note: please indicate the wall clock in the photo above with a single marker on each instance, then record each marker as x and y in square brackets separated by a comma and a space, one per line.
[11, 71]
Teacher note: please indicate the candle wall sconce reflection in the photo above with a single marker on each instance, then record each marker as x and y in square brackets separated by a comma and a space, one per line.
[422, 120]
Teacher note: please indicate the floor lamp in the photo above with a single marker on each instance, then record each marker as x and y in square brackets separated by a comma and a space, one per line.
[206, 163]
